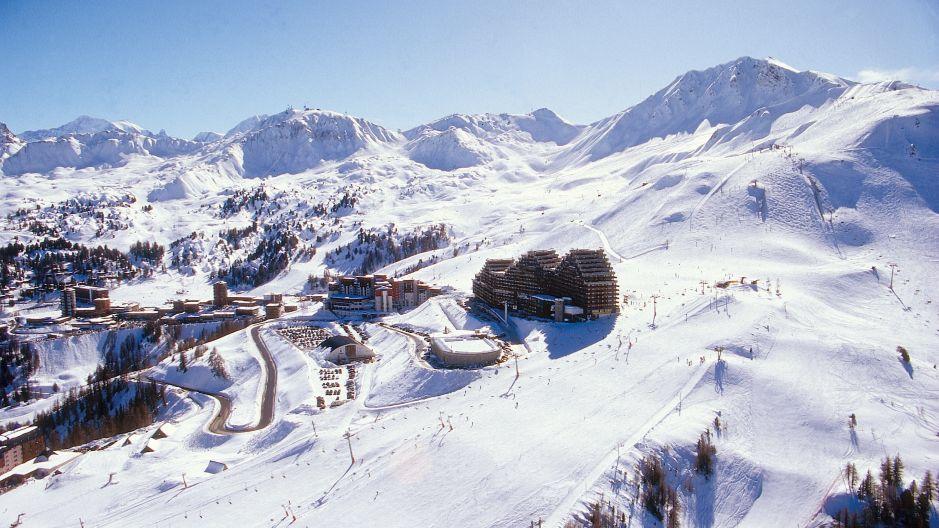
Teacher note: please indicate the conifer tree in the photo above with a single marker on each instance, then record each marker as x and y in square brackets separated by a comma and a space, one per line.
[217, 363]
[183, 362]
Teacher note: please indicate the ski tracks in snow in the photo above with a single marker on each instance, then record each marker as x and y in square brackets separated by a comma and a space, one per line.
[564, 509]
[714, 191]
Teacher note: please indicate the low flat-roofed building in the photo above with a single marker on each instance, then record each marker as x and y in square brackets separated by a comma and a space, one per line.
[248, 310]
[85, 312]
[349, 303]
[125, 307]
[39, 467]
[142, 315]
[465, 349]
[21, 445]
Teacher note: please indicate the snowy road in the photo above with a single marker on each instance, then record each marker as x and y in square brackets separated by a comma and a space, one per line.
[219, 422]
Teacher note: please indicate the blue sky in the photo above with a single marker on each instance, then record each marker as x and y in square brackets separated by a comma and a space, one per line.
[189, 66]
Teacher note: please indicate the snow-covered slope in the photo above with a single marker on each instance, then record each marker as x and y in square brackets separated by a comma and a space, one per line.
[448, 150]
[808, 186]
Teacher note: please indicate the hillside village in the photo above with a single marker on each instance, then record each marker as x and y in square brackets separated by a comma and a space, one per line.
[706, 310]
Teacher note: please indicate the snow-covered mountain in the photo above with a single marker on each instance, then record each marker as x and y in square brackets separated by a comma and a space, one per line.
[110, 147]
[246, 125]
[449, 149]
[207, 137]
[542, 125]
[773, 232]
[724, 94]
[9, 142]
[80, 126]
[296, 140]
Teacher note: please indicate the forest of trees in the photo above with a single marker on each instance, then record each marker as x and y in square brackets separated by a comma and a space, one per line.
[100, 410]
[18, 361]
[886, 501]
[378, 248]
[129, 356]
[44, 256]
[269, 258]
[147, 251]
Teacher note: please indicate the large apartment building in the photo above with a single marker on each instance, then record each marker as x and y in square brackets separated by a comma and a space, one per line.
[369, 294]
[20, 445]
[582, 284]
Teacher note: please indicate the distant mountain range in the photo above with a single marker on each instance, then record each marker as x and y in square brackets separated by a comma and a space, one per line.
[741, 98]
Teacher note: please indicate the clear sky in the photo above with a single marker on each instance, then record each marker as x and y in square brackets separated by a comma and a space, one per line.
[189, 66]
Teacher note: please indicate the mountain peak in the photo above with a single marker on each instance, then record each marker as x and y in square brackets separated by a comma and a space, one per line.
[545, 113]
[722, 94]
[542, 125]
[207, 137]
[9, 143]
[295, 140]
[83, 124]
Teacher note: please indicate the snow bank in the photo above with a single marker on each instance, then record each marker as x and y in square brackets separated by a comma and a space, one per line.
[244, 385]
[398, 378]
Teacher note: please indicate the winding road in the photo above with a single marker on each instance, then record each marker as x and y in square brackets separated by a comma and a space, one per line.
[219, 422]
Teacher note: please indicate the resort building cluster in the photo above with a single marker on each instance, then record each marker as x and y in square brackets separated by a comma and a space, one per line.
[368, 295]
[580, 285]
[93, 304]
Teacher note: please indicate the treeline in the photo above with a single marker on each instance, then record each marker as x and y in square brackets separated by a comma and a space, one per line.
[175, 343]
[244, 198]
[106, 211]
[100, 410]
[886, 500]
[268, 259]
[658, 497]
[380, 248]
[147, 251]
[258, 201]
[49, 255]
[18, 361]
